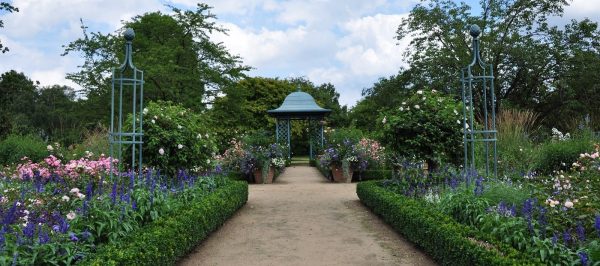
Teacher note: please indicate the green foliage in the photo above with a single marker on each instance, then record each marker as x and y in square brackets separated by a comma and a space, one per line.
[560, 155]
[463, 205]
[427, 125]
[496, 192]
[528, 56]
[180, 61]
[340, 135]
[170, 238]
[184, 137]
[445, 240]
[15, 147]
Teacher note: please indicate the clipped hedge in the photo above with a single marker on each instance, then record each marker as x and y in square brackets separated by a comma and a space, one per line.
[168, 239]
[444, 239]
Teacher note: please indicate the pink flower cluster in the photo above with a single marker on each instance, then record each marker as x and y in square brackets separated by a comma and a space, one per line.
[371, 148]
[73, 169]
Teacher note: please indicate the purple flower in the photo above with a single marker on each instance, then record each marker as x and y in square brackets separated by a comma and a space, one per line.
[567, 237]
[86, 234]
[43, 237]
[73, 237]
[583, 258]
[29, 230]
[554, 239]
[580, 232]
[597, 224]
[113, 193]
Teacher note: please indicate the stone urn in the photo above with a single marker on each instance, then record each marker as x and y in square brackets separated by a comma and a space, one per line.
[268, 178]
[339, 176]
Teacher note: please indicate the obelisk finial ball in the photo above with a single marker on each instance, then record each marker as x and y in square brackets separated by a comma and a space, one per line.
[475, 31]
[129, 34]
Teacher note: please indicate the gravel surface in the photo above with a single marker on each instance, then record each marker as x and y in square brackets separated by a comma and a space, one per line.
[303, 219]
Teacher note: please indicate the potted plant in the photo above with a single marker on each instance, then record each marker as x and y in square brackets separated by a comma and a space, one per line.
[269, 159]
[346, 157]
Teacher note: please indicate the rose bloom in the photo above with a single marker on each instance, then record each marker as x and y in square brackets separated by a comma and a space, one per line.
[65, 198]
[568, 204]
[161, 151]
[71, 215]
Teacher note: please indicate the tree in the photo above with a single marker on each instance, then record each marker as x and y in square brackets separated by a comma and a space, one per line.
[18, 96]
[180, 62]
[531, 60]
[8, 8]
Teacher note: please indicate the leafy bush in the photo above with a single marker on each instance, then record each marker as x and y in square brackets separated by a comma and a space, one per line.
[445, 240]
[427, 125]
[169, 238]
[341, 135]
[176, 138]
[15, 147]
[560, 155]
[496, 192]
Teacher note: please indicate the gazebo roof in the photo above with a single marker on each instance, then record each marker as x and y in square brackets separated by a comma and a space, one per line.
[299, 103]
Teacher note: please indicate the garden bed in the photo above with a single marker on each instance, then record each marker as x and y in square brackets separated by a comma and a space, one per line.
[445, 240]
[168, 239]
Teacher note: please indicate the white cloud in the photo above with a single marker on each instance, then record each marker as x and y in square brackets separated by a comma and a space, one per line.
[579, 9]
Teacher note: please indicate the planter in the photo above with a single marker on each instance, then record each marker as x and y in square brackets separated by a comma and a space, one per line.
[268, 179]
[339, 176]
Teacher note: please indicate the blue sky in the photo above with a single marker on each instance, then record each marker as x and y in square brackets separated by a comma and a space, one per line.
[349, 43]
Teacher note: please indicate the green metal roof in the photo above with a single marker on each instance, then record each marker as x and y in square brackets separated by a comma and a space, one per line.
[299, 102]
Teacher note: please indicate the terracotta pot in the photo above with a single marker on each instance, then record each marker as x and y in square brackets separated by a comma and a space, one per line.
[339, 176]
[268, 178]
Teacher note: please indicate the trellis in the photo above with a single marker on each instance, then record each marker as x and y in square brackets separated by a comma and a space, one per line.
[479, 98]
[128, 83]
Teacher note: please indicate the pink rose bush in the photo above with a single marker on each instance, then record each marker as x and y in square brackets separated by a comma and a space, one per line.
[73, 168]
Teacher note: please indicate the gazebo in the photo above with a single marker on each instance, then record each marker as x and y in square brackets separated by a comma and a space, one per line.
[299, 105]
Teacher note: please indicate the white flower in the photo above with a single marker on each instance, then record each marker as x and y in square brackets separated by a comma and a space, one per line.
[155, 117]
[80, 195]
[403, 103]
[153, 121]
[199, 136]
[458, 122]
[455, 112]
[384, 120]
[424, 98]
[145, 111]
[75, 190]
[161, 151]
[65, 198]
[520, 149]
[207, 161]
[179, 127]
[417, 106]
[433, 91]
[568, 204]
[71, 215]
[419, 92]
[179, 146]
[401, 108]
[206, 135]
[50, 148]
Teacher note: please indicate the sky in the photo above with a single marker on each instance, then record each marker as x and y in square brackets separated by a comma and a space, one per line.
[349, 43]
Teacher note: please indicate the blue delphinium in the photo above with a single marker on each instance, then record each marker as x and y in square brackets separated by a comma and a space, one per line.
[73, 237]
[567, 237]
[580, 232]
[29, 230]
[597, 224]
[583, 258]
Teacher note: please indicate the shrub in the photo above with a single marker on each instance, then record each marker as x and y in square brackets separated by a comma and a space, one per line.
[427, 125]
[515, 149]
[445, 240]
[496, 192]
[176, 138]
[169, 238]
[15, 147]
[560, 155]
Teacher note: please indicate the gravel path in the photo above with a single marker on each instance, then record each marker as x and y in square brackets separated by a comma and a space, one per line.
[303, 219]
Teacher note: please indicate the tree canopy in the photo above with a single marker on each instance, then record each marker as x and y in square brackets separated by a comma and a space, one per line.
[549, 69]
[180, 62]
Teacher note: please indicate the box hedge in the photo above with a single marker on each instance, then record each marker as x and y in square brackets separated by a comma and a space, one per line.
[444, 239]
[168, 239]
